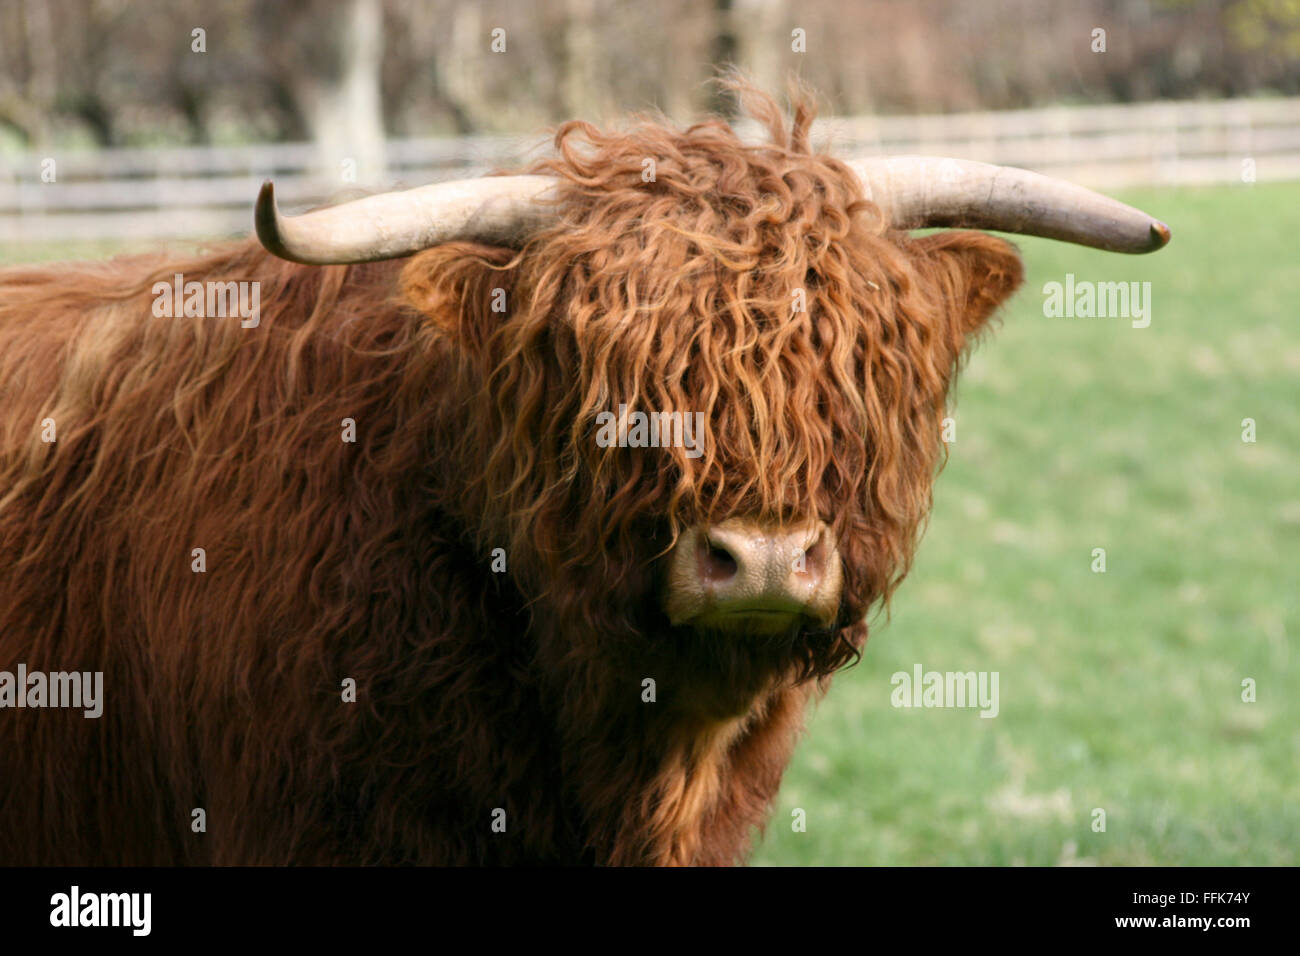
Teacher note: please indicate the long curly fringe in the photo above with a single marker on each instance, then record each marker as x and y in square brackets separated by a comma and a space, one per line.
[679, 294]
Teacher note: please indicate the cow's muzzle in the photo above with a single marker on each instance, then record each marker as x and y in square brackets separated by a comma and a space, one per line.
[745, 576]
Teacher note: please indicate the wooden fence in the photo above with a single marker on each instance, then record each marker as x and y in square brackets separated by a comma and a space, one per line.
[206, 192]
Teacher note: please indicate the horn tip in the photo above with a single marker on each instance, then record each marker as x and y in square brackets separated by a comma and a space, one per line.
[266, 222]
[264, 211]
[1160, 235]
[265, 200]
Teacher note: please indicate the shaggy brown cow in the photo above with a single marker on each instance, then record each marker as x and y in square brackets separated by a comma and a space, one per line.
[502, 714]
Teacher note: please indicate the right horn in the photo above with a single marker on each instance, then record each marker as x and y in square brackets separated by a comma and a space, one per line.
[915, 192]
[498, 210]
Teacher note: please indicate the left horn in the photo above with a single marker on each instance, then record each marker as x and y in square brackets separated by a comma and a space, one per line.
[497, 210]
[914, 192]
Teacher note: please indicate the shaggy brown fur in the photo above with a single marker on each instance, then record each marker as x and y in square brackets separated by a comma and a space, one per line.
[475, 430]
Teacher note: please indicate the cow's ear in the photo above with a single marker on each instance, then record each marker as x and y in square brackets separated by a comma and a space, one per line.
[465, 289]
[969, 275]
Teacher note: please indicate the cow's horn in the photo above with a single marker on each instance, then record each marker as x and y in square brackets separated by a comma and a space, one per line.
[913, 192]
[919, 191]
[499, 210]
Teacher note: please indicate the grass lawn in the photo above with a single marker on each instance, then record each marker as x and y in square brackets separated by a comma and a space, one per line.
[1119, 690]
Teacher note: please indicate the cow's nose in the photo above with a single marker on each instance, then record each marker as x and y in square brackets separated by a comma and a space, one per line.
[748, 576]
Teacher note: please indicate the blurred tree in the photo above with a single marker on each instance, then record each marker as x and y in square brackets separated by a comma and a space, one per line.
[327, 56]
[723, 52]
[28, 89]
[1267, 24]
[343, 72]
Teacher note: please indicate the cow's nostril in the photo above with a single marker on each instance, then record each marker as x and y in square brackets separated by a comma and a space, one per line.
[814, 557]
[717, 564]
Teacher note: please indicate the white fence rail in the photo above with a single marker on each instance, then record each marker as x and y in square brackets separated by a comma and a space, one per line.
[201, 192]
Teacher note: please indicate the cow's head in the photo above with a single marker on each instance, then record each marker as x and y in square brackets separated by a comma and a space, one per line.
[764, 305]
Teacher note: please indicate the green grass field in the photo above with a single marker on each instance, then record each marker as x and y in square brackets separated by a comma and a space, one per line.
[1120, 691]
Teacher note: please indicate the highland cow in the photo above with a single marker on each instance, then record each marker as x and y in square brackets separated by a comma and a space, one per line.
[362, 585]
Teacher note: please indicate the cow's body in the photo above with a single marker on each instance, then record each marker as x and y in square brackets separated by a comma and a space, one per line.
[325, 560]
